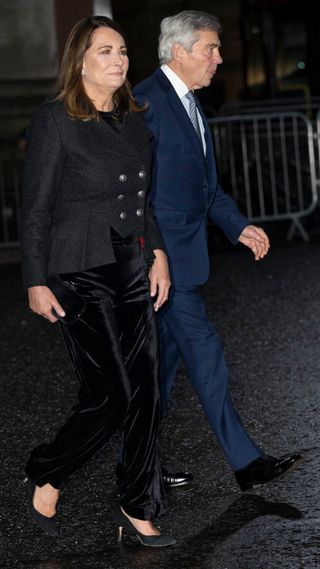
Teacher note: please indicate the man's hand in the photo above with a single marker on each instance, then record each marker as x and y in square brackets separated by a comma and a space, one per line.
[42, 300]
[159, 278]
[256, 239]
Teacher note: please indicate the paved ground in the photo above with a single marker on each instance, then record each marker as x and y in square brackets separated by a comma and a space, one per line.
[268, 316]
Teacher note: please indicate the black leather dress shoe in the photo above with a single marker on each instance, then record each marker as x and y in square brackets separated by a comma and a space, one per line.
[172, 480]
[264, 469]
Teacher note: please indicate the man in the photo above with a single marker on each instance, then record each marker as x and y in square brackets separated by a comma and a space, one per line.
[186, 194]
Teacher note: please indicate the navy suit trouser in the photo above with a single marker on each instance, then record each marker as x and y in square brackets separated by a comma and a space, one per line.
[185, 332]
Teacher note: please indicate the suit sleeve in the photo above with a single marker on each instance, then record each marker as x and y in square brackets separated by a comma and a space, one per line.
[149, 114]
[41, 182]
[224, 213]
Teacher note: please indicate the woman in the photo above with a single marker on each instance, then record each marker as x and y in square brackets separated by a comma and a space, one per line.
[89, 235]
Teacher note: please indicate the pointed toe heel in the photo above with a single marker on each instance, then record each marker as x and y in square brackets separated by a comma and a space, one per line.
[146, 540]
[49, 525]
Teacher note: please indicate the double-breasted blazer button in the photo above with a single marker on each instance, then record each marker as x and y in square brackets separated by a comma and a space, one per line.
[123, 215]
[120, 197]
[141, 194]
[139, 212]
[142, 174]
[122, 178]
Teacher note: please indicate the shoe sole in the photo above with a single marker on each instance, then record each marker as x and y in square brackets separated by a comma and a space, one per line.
[157, 545]
[253, 486]
[177, 484]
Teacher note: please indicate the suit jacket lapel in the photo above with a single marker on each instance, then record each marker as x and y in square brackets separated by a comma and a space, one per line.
[207, 132]
[181, 114]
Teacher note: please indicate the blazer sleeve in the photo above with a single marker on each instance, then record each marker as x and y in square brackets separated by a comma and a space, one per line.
[43, 167]
[224, 213]
[153, 238]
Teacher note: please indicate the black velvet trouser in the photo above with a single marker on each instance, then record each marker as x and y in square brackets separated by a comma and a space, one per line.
[114, 349]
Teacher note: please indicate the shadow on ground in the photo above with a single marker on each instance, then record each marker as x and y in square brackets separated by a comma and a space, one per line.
[268, 318]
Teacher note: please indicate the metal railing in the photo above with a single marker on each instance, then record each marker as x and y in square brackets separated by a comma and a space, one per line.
[267, 162]
[317, 144]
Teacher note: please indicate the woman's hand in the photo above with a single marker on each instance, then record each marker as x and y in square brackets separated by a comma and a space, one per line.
[42, 300]
[159, 278]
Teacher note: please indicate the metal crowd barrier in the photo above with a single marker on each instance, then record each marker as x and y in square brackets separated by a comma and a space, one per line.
[317, 138]
[267, 163]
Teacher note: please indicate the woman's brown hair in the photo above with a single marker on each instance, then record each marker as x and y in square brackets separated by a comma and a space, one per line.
[71, 90]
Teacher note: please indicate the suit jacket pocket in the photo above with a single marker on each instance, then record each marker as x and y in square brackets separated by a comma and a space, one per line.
[171, 217]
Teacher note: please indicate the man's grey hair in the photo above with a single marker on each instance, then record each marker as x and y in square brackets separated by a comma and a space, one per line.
[182, 29]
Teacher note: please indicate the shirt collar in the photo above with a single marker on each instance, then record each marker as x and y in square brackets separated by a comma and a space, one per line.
[179, 86]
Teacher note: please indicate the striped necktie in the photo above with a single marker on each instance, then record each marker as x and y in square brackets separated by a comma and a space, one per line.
[193, 113]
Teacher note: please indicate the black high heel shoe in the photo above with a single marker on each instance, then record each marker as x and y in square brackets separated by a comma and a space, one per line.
[147, 540]
[49, 525]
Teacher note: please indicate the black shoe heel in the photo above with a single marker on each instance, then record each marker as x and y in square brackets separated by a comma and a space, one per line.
[49, 525]
[147, 540]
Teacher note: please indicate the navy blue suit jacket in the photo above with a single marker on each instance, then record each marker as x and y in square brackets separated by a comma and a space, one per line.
[185, 190]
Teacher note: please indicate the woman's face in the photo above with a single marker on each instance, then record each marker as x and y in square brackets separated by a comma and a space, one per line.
[105, 63]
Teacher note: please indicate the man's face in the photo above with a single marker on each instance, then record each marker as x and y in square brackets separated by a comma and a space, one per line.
[199, 66]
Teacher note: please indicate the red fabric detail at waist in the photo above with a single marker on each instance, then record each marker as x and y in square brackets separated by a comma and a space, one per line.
[141, 241]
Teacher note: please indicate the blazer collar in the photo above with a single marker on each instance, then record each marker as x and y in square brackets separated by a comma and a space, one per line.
[129, 141]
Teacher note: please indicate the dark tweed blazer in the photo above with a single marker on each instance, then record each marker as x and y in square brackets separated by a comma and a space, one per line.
[82, 178]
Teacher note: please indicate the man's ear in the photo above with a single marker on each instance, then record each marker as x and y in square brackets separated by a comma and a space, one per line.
[177, 52]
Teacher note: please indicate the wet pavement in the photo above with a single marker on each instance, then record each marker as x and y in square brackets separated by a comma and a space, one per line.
[268, 316]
